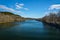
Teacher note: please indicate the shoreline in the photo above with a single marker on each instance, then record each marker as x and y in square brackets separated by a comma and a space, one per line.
[52, 24]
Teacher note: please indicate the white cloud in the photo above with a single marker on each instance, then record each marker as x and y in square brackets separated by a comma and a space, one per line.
[16, 11]
[19, 6]
[26, 8]
[19, 12]
[56, 6]
[6, 8]
[46, 13]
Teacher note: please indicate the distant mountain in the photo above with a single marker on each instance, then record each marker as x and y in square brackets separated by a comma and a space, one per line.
[10, 17]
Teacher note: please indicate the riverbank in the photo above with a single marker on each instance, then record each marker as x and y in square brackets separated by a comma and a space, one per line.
[52, 18]
[52, 24]
[10, 17]
[7, 17]
[28, 30]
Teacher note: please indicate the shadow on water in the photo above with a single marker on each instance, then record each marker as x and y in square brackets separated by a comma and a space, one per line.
[8, 25]
[6, 34]
[52, 25]
[28, 30]
[53, 31]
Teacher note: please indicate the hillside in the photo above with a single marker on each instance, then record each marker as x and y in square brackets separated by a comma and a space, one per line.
[53, 18]
[9, 17]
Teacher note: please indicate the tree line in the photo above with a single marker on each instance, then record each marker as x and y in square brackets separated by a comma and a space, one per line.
[52, 18]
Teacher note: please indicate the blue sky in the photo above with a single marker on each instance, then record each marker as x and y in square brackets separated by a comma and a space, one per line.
[29, 8]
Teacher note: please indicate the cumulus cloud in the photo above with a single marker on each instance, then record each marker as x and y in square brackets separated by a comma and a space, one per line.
[6, 8]
[56, 6]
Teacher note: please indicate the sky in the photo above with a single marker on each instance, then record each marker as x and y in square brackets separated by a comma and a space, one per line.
[30, 8]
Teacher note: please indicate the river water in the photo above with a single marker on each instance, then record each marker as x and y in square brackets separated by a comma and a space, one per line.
[28, 30]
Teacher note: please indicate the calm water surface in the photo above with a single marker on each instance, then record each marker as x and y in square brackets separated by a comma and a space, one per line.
[28, 30]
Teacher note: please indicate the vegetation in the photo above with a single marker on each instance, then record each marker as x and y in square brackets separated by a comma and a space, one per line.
[10, 17]
[52, 18]
[7, 13]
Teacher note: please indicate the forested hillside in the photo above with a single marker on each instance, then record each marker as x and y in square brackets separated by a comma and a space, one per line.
[52, 18]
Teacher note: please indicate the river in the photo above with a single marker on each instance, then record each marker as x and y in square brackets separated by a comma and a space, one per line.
[28, 30]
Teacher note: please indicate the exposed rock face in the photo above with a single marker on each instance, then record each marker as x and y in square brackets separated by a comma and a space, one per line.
[9, 17]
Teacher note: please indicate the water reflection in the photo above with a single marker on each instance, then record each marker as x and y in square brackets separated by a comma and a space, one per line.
[7, 25]
[53, 32]
[28, 30]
